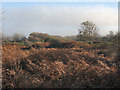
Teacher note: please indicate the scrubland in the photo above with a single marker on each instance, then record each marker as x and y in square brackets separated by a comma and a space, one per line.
[72, 65]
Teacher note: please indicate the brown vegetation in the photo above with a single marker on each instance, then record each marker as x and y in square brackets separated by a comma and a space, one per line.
[74, 67]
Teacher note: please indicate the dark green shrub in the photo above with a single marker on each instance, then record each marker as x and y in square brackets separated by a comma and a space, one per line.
[54, 43]
[104, 45]
[105, 53]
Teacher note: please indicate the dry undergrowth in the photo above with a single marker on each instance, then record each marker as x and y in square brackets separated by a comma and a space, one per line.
[56, 68]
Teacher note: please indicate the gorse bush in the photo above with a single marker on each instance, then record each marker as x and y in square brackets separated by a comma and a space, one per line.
[54, 43]
[68, 44]
[102, 45]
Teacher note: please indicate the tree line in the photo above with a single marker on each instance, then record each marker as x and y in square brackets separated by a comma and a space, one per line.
[87, 32]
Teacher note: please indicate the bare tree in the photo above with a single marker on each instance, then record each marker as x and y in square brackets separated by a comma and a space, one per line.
[17, 37]
[5, 38]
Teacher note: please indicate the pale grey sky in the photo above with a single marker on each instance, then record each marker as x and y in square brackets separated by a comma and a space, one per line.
[60, 0]
[58, 18]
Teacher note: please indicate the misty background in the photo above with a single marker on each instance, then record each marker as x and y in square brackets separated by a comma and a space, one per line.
[58, 18]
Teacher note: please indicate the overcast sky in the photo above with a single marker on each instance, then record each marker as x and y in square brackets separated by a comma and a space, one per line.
[58, 18]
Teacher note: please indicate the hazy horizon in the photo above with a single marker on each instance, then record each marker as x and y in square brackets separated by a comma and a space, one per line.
[55, 18]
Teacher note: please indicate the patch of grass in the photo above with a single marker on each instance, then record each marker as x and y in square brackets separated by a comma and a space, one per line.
[15, 43]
